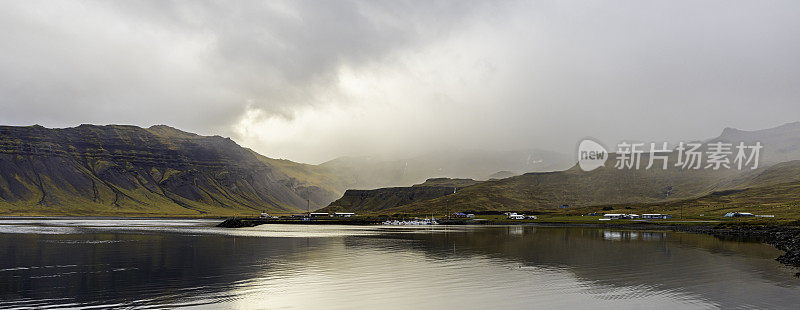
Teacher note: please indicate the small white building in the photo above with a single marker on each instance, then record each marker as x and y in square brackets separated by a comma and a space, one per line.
[530, 217]
[739, 214]
[343, 214]
[319, 214]
[656, 216]
[617, 216]
[514, 216]
[613, 216]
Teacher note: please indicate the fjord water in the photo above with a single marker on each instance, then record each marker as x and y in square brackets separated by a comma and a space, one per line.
[83, 263]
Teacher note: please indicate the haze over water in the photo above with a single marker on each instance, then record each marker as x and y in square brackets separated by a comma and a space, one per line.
[188, 263]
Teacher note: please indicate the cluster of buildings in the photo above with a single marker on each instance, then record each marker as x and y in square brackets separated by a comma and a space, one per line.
[462, 215]
[746, 214]
[509, 215]
[620, 216]
[656, 216]
[615, 216]
[739, 214]
[265, 215]
[515, 216]
[334, 214]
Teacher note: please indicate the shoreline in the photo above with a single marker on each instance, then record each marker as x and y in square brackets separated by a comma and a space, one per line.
[782, 237]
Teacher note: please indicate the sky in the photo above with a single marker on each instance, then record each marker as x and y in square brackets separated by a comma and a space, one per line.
[314, 80]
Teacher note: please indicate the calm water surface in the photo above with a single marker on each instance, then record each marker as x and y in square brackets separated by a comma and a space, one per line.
[85, 263]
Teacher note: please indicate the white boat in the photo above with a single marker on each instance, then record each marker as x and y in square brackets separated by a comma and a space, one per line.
[411, 222]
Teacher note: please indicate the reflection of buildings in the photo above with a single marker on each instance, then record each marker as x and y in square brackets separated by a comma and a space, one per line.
[634, 235]
[516, 230]
[612, 235]
[654, 236]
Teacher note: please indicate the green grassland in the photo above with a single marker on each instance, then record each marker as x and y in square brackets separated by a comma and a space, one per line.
[771, 190]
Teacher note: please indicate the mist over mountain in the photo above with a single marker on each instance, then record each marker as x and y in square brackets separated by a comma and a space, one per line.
[372, 172]
[780, 144]
[541, 191]
[160, 170]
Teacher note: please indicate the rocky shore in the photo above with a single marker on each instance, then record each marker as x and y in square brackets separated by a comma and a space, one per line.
[786, 239]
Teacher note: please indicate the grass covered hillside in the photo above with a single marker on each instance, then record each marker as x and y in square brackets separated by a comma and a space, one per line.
[377, 200]
[546, 191]
[128, 170]
[781, 200]
[606, 186]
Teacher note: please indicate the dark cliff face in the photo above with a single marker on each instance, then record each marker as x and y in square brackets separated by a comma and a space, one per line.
[128, 170]
[385, 198]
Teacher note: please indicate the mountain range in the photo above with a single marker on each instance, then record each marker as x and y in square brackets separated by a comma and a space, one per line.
[366, 172]
[128, 170]
[607, 185]
[162, 171]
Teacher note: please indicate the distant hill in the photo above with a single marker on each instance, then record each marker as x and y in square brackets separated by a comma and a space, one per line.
[156, 171]
[369, 172]
[447, 182]
[781, 143]
[501, 175]
[163, 171]
[128, 170]
[604, 186]
[384, 198]
[547, 190]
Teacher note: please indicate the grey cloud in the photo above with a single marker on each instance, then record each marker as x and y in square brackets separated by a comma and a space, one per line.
[511, 74]
[99, 61]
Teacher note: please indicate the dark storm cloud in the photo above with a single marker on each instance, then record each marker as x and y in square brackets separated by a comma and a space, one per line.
[192, 63]
[311, 80]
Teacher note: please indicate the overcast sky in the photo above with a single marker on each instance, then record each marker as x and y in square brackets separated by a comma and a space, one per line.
[314, 80]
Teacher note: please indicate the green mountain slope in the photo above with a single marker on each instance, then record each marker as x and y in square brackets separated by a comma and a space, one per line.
[604, 186]
[380, 199]
[607, 185]
[128, 170]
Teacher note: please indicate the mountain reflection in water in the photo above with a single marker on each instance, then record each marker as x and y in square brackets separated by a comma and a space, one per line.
[187, 263]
